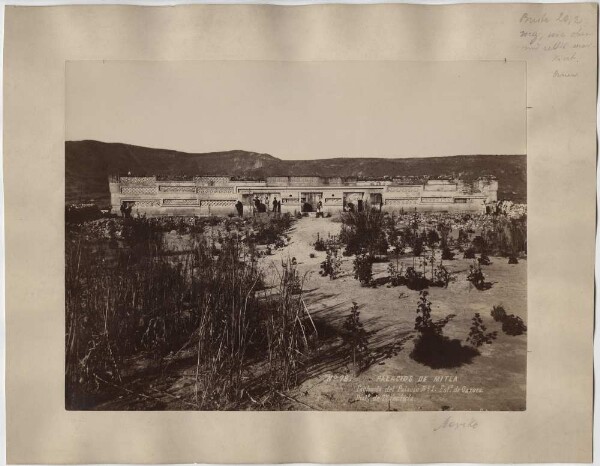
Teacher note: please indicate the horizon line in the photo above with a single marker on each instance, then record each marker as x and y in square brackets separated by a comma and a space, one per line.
[295, 160]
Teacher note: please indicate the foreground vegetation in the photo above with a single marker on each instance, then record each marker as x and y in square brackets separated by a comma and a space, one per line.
[138, 309]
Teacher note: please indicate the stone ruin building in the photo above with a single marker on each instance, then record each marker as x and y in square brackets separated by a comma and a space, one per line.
[206, 195]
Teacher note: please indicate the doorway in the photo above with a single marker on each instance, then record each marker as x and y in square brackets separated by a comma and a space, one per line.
[309, 201]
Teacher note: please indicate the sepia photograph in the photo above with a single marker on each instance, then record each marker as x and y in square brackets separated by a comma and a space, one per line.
[278, 235]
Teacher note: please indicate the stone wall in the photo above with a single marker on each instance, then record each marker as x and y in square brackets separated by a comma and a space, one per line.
[206, 195]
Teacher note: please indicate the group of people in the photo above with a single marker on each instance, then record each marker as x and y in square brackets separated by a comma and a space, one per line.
[258, 206]
[276, 205]
[126, 208]
[261, 207]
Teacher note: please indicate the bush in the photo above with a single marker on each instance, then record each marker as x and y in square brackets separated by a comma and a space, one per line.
[332, 264]
[415, 280]
[269, 231]
[363, 232]
[477, 278]
[417, 247]
[479, 244]
[513, 325]
[513, 260]
[498, 313]
[396, 278]
[442, 276]
[432, 348]
[363, 269]
[469, 253]
[320, 244]
[423, 322]
[357, 339]
[79, 213]
[447, 254]
[484, 259]
[477, 334]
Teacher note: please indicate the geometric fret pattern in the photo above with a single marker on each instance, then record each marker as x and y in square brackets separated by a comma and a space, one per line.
[137, 190]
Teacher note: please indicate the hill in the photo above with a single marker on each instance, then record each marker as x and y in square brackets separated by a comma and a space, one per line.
[88, 164]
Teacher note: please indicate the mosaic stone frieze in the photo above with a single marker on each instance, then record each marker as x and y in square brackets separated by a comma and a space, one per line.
[138, 180]
[146, 203]
[401, 201]
[216, 190]
[177, 189]
[219, 203]
[137, 190]
[180, 202]
[432, 200]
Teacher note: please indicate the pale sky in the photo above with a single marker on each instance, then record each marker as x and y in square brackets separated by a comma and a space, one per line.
[302, 110]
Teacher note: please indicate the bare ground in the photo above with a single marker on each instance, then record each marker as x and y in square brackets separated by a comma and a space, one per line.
[494, 380]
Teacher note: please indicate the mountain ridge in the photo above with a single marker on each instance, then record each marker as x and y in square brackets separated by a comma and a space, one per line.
[88, 163]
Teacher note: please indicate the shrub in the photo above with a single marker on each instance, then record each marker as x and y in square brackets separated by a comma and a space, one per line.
[268, 230]
[479, 244]
[332, 264]
[463, 237]
[477, 278]
[513, 325]
[396, 278]
[417, 247]
[498, 313]
[357, 339]
[320, 243]
[432, 348]
[363, 232]
[442, 276]
[79, 213]
[433, 238]
[423, 322]
[363, 269]
[513, 260]
[447, 254]
[477, 334]
[484, 259]
[415, 280]
[469, 253]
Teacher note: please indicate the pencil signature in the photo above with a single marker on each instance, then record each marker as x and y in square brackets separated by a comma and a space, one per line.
[450, 423]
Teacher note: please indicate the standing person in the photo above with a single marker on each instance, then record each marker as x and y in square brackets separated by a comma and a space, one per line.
[256, 205]
[279, 206]
[240, 208]
[275, 204]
